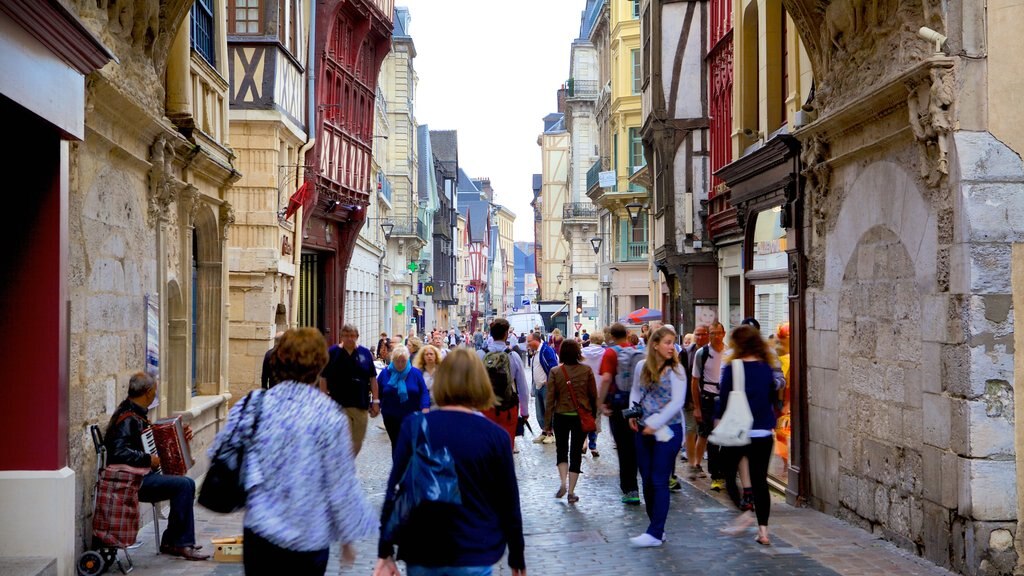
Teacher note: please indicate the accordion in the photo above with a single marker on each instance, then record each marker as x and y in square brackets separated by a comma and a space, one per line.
[166, 440]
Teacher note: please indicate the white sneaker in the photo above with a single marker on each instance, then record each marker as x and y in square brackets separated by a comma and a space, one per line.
[644, 540]
[549, 439]
[539, 439]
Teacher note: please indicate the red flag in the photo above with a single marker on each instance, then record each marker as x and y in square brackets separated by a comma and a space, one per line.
[305, 197]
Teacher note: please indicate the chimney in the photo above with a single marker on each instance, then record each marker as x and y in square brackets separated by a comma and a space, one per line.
[561, 100]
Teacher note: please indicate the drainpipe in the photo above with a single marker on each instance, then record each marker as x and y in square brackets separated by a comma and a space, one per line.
[300, 158]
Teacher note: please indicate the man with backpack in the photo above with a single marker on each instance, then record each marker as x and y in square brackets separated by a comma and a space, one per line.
[542, 360]
[505, 369]
[707, 369]
[628, 357]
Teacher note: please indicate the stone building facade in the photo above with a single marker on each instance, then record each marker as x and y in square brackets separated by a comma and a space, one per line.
[269, 122]
[911, 180]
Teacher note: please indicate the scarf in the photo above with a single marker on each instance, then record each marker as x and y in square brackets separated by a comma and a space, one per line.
[398, 380]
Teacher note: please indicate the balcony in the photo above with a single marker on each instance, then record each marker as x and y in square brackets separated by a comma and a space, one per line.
[722, 221]
[592, 175]
[632, 251]
[579, 211]
[413, 227]
[384, 187]
[588, 89]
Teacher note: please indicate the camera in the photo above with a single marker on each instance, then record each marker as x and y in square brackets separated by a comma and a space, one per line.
[634, 411]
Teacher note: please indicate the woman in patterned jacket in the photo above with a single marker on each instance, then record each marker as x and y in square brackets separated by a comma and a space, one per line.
[299, 472]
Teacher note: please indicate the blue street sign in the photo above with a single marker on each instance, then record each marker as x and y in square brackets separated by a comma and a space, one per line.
[470, 289]
[526, 302]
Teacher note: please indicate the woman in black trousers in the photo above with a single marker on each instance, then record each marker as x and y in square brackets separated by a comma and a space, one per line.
[759, 382]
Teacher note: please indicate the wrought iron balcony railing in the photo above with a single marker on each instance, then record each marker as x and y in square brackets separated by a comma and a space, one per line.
[592, 175]
[579, 210]
[582, 88]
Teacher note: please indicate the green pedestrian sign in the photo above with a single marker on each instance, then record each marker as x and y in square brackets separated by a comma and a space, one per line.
[412, 266]
[400, 308]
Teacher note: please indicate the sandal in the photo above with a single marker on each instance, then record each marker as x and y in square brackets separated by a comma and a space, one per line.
[560, 493]
[763, 541]
[572, 499]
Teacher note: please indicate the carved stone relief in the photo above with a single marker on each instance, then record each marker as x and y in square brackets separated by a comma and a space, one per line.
[817, 174]
[227, 218]
[865, 42]
[162, 188]
[929, 106]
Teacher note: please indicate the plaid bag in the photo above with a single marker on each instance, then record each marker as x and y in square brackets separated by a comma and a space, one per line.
[115, 522]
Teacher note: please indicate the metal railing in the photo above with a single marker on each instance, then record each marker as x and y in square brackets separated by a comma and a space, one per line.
[633, 251]
[579, 210]
[592, 174]
[385, 188]
[411, 227]
[582, 88]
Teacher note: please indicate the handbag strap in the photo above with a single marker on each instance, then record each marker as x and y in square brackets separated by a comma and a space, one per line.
[572, 393]
[738, 376]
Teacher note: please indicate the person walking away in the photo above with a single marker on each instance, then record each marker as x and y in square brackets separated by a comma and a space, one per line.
[660, 388]
[468, 539]
[572, 390]
[427, 362]
[123, 442]
[542, 360]
[351, 378]
[265, 380]
[508, 380]
[602, 361]
[297, 507]
[402, 392]
[478, 339]
[616, 399]
[760, 387]
[706, 374]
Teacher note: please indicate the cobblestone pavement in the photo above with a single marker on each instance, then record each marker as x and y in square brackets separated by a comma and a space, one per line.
[591, 537]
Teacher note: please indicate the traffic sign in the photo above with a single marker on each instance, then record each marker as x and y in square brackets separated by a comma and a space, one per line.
[470, 289]
[579, 325]
[526, 302]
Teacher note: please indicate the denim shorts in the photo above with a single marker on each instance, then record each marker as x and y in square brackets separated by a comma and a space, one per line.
[412, 570]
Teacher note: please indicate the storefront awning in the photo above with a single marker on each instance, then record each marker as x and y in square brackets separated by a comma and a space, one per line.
[561, 309]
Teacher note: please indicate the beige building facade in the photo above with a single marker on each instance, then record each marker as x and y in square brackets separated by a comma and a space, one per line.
[553, 264]
[269, 121]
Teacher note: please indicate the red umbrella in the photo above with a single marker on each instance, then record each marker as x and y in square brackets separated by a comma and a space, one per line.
[642, 315]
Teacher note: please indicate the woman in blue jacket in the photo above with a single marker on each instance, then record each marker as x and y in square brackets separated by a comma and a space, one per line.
[402, 392]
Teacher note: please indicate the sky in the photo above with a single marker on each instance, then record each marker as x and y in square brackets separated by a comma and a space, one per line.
[491, 70]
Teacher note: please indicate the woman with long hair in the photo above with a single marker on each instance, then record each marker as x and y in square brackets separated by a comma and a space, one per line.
[571, 389]
[427, 361]
[660, 389]
[466, 539]
[297, 507]
[759, 383]
[402, 392]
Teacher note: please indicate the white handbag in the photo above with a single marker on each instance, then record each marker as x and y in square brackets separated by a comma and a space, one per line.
[734, 427]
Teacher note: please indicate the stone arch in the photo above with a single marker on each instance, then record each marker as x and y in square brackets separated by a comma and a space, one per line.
[175, 367]
[208, 304]
[880, 403]
[884, 194]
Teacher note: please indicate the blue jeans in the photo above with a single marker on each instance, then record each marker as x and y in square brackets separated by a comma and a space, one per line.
[539, 398]
[656, 460]
[181, 491]
[412, 570]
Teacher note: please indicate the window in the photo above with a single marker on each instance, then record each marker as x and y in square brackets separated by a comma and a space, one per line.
[636, 9]
[636, 151]
[245, 17]
[635, 60]
[202, 30]
[645, 41]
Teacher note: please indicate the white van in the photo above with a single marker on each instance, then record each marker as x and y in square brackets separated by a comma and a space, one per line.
[524, 322]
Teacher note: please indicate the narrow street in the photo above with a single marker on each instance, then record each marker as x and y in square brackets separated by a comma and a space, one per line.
[591, 537]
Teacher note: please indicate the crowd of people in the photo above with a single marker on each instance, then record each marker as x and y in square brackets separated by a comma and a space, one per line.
[660, 393]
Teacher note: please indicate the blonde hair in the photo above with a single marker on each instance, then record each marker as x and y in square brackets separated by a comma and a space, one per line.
[655, 363]
[421, 363]
[399, 351]
[596, 338]
[462, 380]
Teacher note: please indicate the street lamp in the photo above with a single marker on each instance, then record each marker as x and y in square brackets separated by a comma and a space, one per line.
[559, 278]
[633, 209]
[596, 242]
[387, 226]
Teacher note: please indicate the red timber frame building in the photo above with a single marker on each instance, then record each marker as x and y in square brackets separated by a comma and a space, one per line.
[721, 214]
[352, 39]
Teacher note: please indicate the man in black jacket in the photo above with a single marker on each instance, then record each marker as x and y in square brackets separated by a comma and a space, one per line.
[124, 446]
